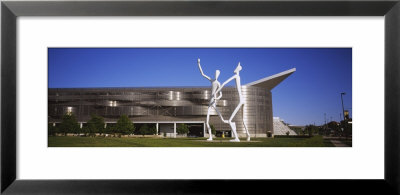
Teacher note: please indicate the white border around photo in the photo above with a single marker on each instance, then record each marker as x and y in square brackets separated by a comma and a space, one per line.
[365, 160]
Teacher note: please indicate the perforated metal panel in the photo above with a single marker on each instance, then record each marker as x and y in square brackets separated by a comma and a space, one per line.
[164, 104]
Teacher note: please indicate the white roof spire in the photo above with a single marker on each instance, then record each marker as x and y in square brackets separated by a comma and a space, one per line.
[272, 81]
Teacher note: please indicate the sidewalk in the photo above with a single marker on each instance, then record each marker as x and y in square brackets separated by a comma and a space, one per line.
[338, 143]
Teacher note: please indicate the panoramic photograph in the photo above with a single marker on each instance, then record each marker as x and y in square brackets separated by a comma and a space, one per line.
[199, 97]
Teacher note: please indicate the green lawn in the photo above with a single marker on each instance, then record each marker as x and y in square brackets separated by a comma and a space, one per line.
[316, 141]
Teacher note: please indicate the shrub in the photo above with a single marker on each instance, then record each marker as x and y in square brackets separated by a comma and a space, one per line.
[311, 129]
[96, 124]
[110, 129]
[147, 129]
[182, 129]
[69, 124]
[143, 129]
[152, 130]
[124, 126]
[85, 130]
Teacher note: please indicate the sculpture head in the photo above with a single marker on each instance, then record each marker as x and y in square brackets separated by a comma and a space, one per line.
[217, 74]
[238, 69]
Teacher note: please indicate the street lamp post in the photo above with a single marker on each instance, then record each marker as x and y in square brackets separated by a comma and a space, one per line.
[344, 117]
[341, 96]
[325, 124]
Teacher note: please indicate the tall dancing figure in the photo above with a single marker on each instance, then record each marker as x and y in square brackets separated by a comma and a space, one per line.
[215, 85]
[241, 103]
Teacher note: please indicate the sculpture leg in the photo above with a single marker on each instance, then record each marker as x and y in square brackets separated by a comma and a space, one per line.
[208, 124]
[247, 131]
[220, 115]
[233, 125]
[245, 126]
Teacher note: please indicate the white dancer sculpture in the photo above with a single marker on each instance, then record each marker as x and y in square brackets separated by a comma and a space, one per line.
[241, 103]
[215, 85]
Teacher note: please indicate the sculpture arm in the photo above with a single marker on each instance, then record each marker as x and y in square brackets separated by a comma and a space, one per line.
[226, 82]
[220, 95]
[201, 70]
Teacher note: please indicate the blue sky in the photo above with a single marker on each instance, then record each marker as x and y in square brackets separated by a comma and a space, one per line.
[303, 98]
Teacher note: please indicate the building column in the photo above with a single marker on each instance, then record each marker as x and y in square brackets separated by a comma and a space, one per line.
[174, 130]
[81, 125]
[157, 128]
[204, 129]
[105, 125]
[54, 124]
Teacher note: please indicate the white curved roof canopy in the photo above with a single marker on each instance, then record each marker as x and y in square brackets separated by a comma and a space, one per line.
[272, 81]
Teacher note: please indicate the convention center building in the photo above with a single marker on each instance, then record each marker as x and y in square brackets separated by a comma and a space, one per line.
[165, 107]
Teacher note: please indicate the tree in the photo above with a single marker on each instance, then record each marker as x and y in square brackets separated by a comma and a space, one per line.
[69, 124]
[109, 129]
[124, 125]
[147, 129]
[315, 130]
[297, 130]
[96, 124]
[311, 129]
[347, 128]
[85, 130]
[182, 129]
[91, 130]
[143, 129]
[333, 125]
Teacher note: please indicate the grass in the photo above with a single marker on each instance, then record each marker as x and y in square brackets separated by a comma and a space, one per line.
[316, 141]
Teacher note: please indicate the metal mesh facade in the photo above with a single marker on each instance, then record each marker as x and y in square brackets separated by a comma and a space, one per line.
[164, 104]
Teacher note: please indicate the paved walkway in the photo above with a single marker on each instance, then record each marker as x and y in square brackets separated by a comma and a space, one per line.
[338, 143]
[220, 141]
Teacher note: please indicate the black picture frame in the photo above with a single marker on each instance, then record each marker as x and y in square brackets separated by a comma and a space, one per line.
[11, 10]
